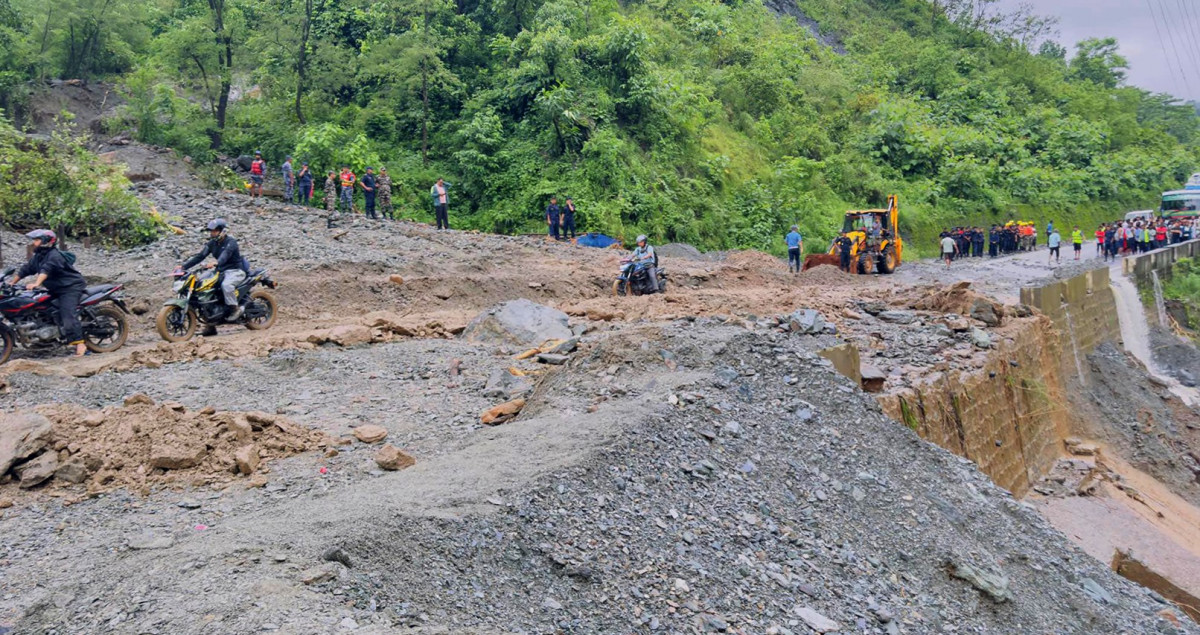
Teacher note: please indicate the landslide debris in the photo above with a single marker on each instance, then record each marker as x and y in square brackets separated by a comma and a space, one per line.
[142, 445]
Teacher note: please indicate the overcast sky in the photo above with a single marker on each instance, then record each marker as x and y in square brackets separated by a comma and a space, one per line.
[1131, 23]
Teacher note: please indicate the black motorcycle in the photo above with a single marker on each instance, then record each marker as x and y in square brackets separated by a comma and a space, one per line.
[199, 300]
[634, 279]
[30, 318]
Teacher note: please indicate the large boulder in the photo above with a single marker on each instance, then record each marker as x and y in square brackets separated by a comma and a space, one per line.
[22, 436]
[37, 470]
[518, 323]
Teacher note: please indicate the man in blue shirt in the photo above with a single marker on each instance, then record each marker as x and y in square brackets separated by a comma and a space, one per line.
[795, 245]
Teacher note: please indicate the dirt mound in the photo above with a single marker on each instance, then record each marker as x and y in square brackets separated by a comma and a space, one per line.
[957, 298]
[141, 445]
[679, 250]
[756, 260]
[827, 275]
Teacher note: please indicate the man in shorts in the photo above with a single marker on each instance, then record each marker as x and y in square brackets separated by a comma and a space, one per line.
[1055, 242]
[949, 249]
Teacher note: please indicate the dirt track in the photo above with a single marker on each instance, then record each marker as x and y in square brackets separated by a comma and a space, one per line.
[692, 437]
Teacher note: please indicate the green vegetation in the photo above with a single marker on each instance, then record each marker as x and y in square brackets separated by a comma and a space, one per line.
[714, 123]
[58, 183]
[1183, 285]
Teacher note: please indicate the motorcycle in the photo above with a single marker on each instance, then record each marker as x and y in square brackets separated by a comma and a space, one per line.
[30, 318]
[634, 279]
[199, 300]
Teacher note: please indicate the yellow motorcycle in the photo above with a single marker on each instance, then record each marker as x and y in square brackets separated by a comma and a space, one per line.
[199, 300]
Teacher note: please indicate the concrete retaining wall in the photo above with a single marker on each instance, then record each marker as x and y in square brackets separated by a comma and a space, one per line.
[1160, 260]
[1083, 310]
[1009, 417]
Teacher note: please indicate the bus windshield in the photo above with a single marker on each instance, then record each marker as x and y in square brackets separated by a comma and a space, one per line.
[1181, 204]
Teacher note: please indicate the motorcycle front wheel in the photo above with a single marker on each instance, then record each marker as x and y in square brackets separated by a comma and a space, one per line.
[260, 310]
[6, 344]
[107, 331]
[175, 324]
[620, 288]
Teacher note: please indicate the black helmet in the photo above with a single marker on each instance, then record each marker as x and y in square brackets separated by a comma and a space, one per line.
[47, 237]
[217, 224]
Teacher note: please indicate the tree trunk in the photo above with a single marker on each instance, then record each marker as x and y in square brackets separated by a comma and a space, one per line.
[225, 59]
[425, 91]
[302, 60]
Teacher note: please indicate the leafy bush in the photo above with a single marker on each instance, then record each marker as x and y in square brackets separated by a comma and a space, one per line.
[61, 185]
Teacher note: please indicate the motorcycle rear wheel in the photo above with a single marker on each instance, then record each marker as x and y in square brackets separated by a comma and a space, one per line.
[175, 324]
[260, 310]
[111, 316]
[6, 344]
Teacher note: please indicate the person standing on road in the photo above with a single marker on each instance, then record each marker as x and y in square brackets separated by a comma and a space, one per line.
[62, 281]
[289, 181]
[1100, 240]
[1055, 243]
[568, 218]
[258, 168]
[977, 242]
[383, 189]
[348, 179]
[949, 250]
[368, 185]
[331, 197]
[305, 181]
[993, 239]
[843, 244]
[553, 217]
[440, 193]
[1110, 242]
[1077, 241]
[795, 247]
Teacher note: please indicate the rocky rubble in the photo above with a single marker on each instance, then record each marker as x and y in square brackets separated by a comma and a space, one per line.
[141, 445]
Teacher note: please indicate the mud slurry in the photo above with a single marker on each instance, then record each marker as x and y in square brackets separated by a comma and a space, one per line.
[694, 466]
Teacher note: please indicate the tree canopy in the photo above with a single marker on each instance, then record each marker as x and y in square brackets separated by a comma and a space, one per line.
[715, 123]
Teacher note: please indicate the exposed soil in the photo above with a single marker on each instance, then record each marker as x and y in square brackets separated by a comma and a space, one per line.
[692, 466]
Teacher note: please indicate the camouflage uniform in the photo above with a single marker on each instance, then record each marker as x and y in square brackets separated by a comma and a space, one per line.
[383, 193]
[331, 197]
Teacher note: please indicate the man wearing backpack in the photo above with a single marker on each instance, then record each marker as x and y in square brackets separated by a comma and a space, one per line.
[257, 169]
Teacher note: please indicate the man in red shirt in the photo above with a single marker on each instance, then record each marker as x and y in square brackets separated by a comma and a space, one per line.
[1100, 240]
[258, 168]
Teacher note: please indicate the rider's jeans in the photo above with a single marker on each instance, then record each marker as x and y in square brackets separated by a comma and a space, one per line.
[232, 279]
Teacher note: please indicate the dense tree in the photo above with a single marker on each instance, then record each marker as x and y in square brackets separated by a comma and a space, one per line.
[714, 122]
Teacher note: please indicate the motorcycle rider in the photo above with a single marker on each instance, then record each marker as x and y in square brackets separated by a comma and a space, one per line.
[62, 282]
[228, 263]
[645, 254]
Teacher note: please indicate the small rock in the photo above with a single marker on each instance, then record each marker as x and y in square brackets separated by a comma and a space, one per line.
[980, 339]
[681, 586]
[985, 311]
[552, 359]
[390, 457]
[22, 436]
[176, 457]
[552, 604]
[73, 471]
[897, 317]
[321, 573]
[139, 398]
[246, 458]
[1098, 593]
[6, 502]
[733, 429]
[348, 623]
[992, 583]
[816, 621]
[502, 413]
[37, 470]
[396, 279]
[370, 433]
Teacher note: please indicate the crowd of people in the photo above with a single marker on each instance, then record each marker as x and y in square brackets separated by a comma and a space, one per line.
[1118, 238]
[1139, 236]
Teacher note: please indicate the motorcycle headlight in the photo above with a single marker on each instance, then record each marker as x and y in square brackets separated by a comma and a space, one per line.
[179, 284]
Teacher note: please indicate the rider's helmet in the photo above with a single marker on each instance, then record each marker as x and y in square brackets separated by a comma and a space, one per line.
[641, 238]
[217, 225]
[47, 237]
